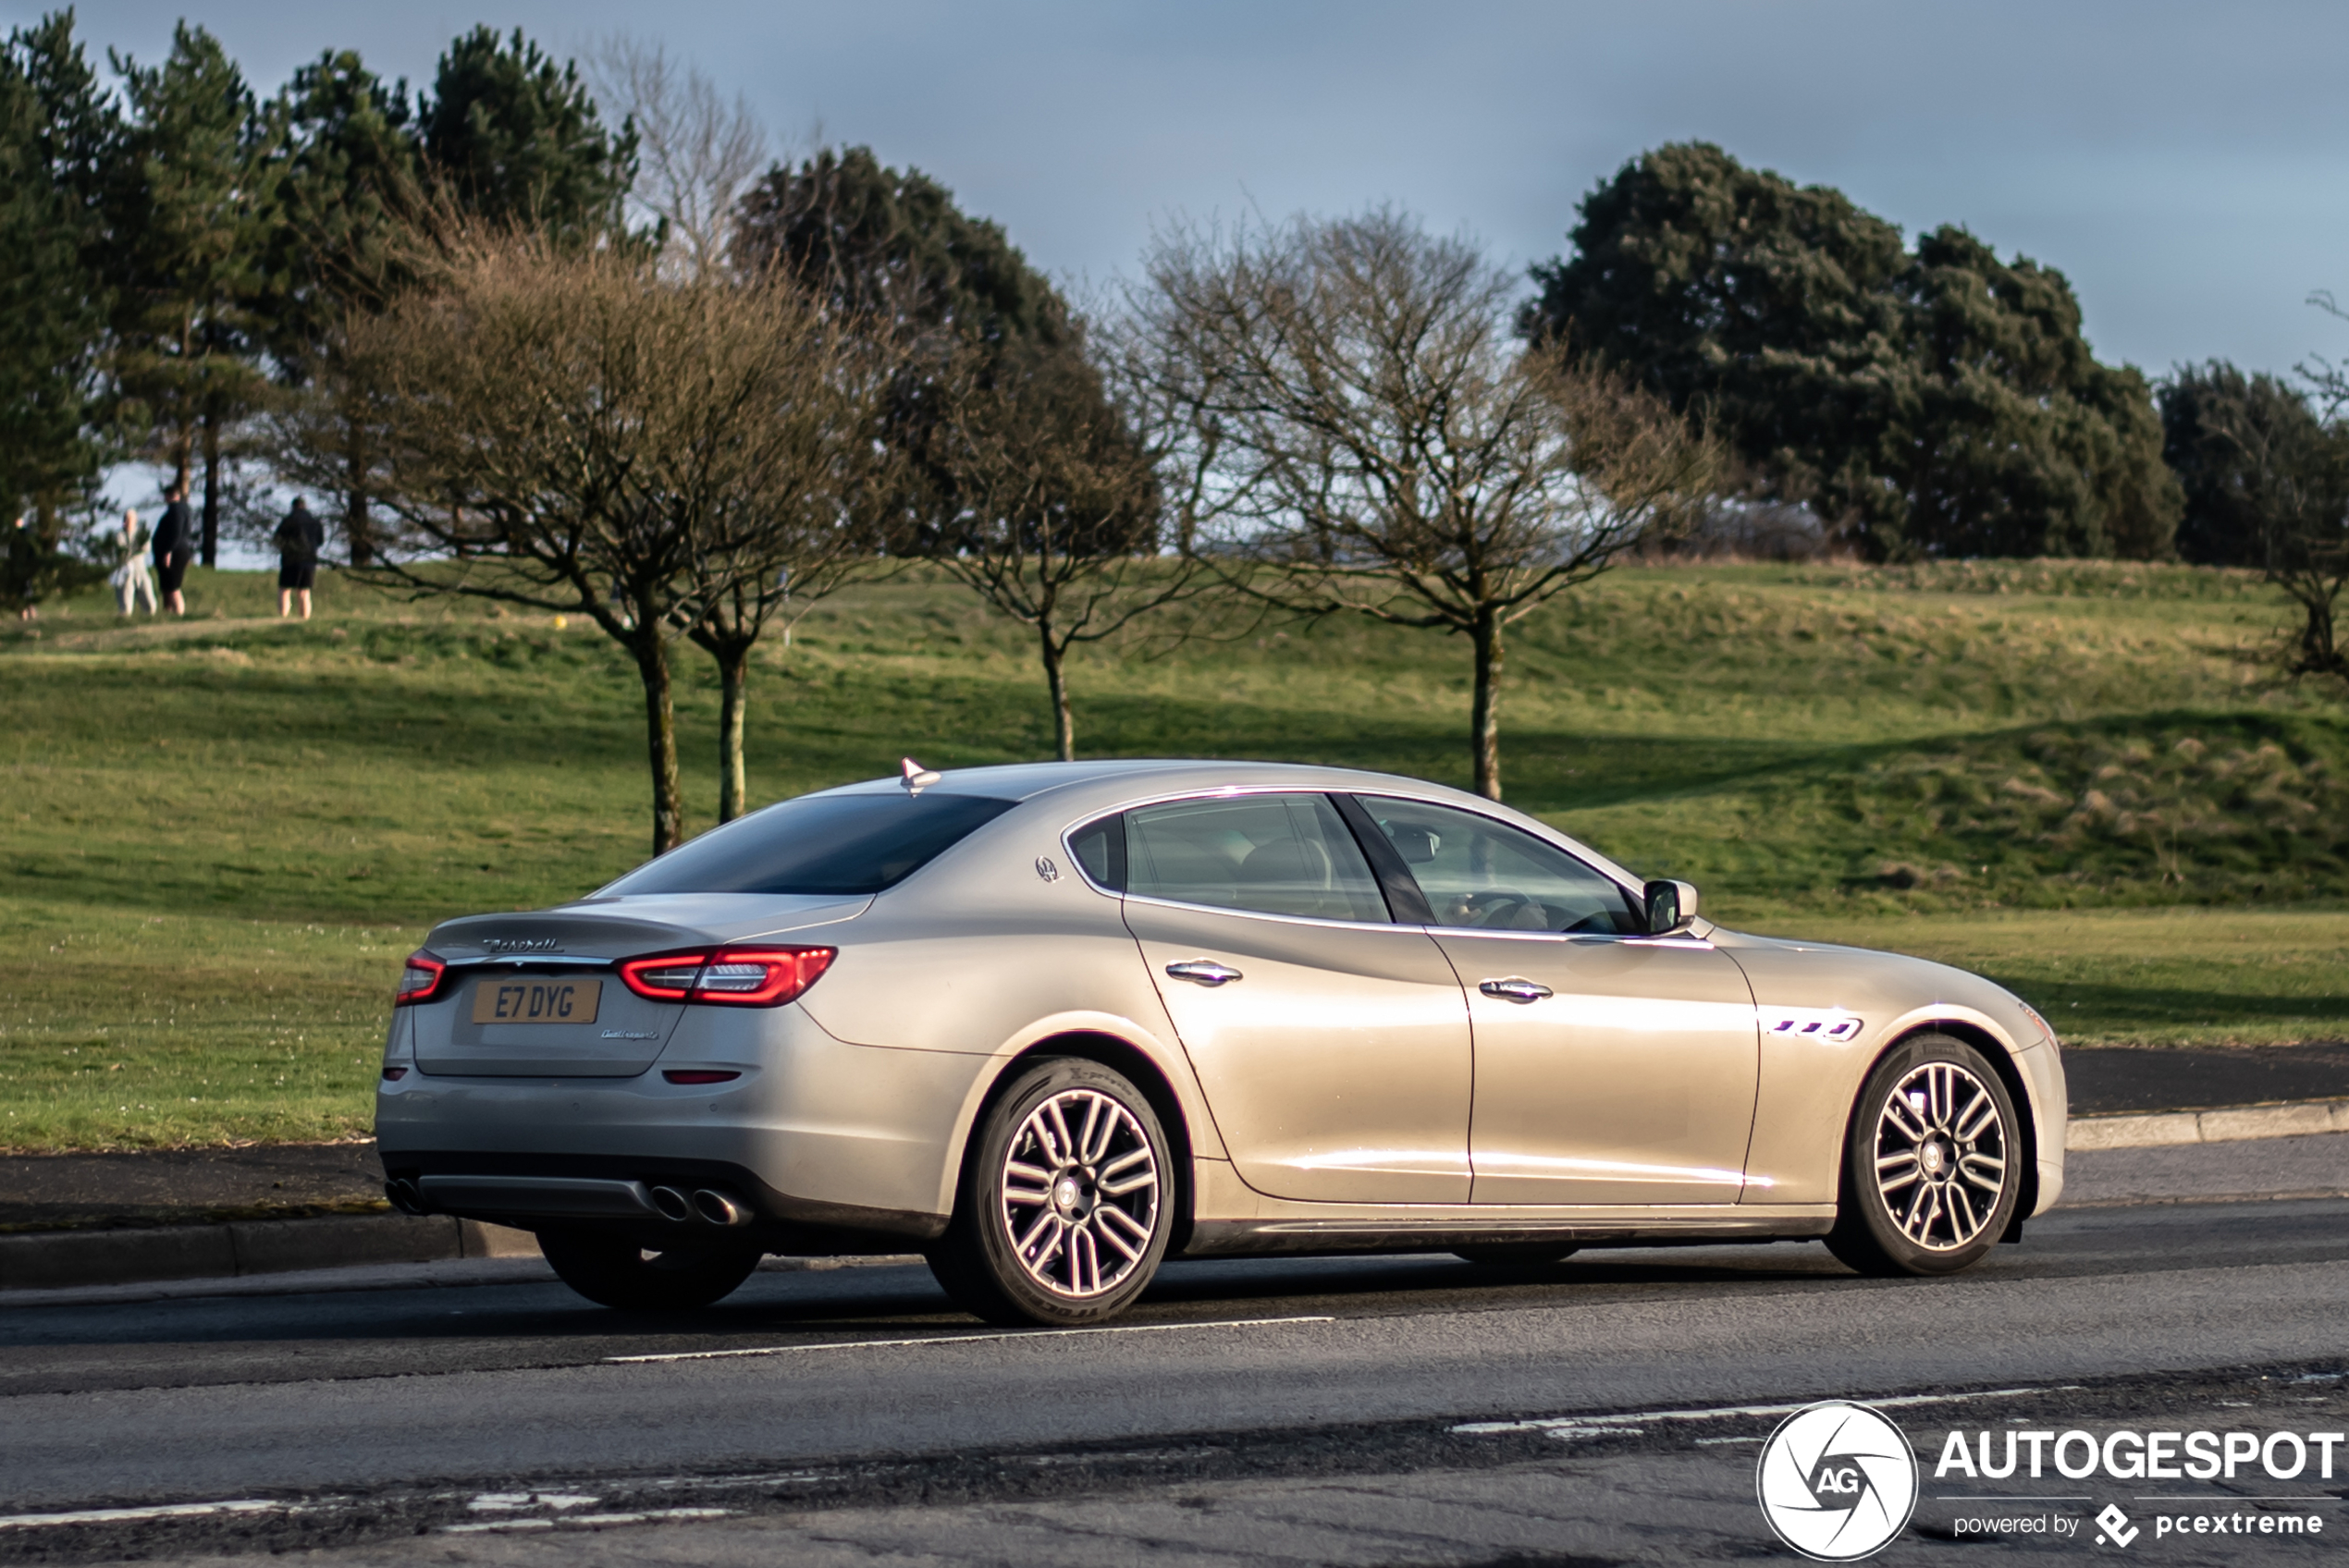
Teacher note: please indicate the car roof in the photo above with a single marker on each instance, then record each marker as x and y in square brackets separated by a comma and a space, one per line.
[1081, 790]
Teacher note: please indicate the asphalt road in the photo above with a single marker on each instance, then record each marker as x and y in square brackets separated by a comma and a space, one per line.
[1274, 1392]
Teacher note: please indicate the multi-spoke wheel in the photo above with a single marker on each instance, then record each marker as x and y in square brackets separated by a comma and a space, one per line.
[1933, 1162]
[1065, 1204]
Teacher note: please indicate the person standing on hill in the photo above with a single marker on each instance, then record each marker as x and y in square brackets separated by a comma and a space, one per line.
[133, 581]
[174, 548]
[299, 539]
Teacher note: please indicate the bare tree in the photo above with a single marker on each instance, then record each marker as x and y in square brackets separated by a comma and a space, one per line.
[1351, 429]
[810, 529]
[697, 152]
[571, 431]
[1059, 520]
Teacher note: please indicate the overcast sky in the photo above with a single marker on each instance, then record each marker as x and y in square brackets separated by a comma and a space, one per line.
[2185, 165]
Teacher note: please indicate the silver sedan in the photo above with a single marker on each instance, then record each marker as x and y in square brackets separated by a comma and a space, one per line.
[1051, 1024]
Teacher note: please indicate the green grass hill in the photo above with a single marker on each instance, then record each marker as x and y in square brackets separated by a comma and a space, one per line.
[222, 833]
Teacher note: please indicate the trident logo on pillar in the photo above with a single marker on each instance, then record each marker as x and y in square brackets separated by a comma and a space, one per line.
[1836, 1481]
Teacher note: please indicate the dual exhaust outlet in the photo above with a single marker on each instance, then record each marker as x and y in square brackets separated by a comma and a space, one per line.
[707, 1204]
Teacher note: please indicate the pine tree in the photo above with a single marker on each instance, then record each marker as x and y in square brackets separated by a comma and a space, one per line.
[52, 316]
[192, 195]
[513, 137]
[347, 173]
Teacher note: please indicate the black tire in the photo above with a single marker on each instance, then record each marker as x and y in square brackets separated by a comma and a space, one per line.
[616, 1272]
[1090, 1231]
[1934, 1102]
[1514, 1255]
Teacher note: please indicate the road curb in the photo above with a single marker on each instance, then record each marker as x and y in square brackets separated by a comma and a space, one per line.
[56, 1259]
[2230, 1124]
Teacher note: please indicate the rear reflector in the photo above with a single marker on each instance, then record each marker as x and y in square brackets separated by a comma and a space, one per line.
[420, 982]
[730, 976]
[697, 1075]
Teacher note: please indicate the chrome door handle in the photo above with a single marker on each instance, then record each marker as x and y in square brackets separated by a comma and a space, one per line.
[1515, 991]
[1203, 971]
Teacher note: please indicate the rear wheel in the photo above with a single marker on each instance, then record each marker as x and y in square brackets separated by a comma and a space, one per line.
[1065, 1204]
[1933, 1162]
[1514, 1255]
[616, 1272]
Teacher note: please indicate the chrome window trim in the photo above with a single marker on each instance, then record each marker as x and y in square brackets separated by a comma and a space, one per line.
[1229, 791]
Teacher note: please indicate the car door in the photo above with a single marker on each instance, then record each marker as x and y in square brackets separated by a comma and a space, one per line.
[1612, 1067]
[1332, 1045]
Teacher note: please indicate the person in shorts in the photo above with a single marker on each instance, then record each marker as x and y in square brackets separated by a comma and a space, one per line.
[299, 539]
[175, 548]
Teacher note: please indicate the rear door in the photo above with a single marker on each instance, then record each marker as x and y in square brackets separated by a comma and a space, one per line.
[1332, 1045]
[1612, 1068]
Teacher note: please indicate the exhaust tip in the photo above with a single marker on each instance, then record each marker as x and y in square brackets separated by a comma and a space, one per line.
[719, 1209]
[671, 1204]
[405, 1196]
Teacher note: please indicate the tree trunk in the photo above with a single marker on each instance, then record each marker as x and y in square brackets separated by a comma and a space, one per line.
[1485, 721]
[357, 531]
[211, 549]
[733, 694]
[660, 734]
[1056, 677]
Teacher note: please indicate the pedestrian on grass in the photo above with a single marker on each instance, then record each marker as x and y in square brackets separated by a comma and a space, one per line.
[299, 539]
[133, 581]
[175, 543]
[31, 608]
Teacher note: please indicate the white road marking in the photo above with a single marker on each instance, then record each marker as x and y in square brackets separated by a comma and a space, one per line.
[1623, 1426]
[573, 1521]
[135, 1515]
[961, 1338]
[493, 1502]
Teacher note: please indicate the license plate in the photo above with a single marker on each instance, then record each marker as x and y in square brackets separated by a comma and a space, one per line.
[537, 1001]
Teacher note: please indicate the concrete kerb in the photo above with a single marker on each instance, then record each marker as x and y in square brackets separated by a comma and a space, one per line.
[2229, 1125]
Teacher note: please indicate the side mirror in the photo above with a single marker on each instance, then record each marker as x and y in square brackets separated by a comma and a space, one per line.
[1671, 905]
[1416, 845]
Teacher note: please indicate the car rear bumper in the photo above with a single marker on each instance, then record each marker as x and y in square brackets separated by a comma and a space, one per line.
[814, 1135]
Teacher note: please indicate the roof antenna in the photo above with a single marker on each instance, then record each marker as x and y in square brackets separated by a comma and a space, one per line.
[916, 778]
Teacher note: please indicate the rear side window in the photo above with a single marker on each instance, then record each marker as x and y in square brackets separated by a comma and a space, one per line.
[817, 844]
[1268, 855]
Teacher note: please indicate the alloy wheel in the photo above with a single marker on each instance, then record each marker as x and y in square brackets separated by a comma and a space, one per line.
[1078, 1193]
[1941, 1150]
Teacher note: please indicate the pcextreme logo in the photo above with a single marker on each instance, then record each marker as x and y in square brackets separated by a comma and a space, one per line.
[1836, 1481]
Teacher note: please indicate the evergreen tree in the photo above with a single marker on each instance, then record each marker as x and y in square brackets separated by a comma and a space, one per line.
[2216, 421]
[513, 137]
[52, 124]
[1934, 401]
[347, 173]
[191, 199]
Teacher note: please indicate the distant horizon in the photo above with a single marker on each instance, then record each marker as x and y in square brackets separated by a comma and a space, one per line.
[2168, 160]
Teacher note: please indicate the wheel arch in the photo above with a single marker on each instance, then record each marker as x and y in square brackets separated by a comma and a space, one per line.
[2001, 1059]
[1122, 1057]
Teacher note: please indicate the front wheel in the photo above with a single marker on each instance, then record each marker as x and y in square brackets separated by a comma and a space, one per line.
[1065, 1204]
[1933, 1162]
[617, 1272]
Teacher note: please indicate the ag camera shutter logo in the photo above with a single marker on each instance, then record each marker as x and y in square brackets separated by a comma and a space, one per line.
[1836, 1481]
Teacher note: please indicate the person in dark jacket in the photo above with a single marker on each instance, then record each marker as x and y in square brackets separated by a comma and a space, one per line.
[299, 539]
[175, 548]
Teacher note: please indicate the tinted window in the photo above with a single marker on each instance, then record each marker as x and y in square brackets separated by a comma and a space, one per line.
[817, 844]
[1272, 854]
[1100, 848]
[1486, 876]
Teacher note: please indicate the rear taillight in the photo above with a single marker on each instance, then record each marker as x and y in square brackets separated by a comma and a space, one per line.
[728, 976]
[420, 982]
